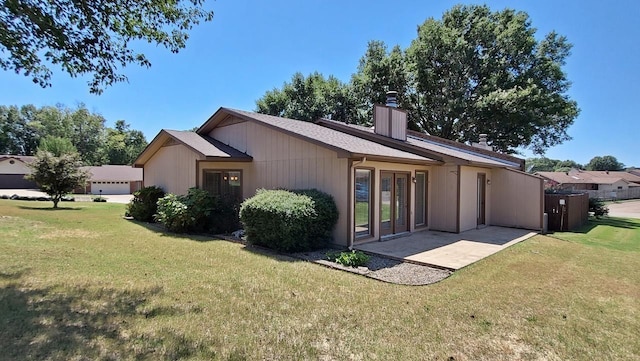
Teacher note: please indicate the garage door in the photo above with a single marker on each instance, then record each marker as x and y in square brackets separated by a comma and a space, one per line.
[16, 181]
[110, 187]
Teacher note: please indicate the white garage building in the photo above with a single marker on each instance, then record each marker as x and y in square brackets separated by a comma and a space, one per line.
[114, 179]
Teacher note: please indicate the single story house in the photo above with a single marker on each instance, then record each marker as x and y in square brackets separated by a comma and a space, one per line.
[386, 181]
[13, 168]
[112, 179]
[582, 180]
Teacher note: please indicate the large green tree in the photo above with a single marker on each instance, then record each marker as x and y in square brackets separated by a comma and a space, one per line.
[57, 176]
[93, 37]
[473, 71]
[123, 144]
[309, 98]
[17, 134]
[476, 71]
[607, 162]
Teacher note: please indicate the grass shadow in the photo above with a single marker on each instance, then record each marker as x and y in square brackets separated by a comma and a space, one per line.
[49, 209]
[163, 232]
[63, 322]
[608, 221]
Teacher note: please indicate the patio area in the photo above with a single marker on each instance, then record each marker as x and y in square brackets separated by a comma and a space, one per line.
[448, 250]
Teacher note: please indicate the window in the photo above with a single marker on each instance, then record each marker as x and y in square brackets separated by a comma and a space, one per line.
[421, 199]
[223, 183]
[362, 205]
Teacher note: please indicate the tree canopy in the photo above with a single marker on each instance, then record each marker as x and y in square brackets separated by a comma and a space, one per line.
[545, 164]
[23, 128]
[93, 37]
[57, 175]
[473, 71]
[606, 162]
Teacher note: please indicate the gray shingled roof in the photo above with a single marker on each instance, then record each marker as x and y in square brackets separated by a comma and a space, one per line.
[330, 137]
[461, 152]
[205, 145]
[114, 173]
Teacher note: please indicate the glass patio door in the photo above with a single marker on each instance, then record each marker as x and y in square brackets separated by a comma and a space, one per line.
[394, 208]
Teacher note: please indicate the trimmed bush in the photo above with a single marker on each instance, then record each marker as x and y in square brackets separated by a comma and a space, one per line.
[198, 211]
[144, 204]
[289, 221]
[225, 217]
[188, 213]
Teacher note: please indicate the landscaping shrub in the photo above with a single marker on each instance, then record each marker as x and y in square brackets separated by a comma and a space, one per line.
[144, 204]
[225, 217]
[598, 207]
[198, 211]
[99, 199]
[186, 213]
[349, 259]
[289, 221]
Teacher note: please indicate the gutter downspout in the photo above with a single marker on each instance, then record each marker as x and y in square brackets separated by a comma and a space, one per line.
[352, 221]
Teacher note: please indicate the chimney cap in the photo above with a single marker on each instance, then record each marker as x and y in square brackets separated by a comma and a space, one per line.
[392, 100]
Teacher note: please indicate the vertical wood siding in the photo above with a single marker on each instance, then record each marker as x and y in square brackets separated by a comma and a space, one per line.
[469, 197]
[443, 198]
[281, 160]
[517, 199]
[173, 168]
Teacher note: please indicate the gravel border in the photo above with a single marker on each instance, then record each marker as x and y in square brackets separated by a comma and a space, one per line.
[383, 269]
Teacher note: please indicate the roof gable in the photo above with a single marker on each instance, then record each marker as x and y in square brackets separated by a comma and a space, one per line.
[205, 147]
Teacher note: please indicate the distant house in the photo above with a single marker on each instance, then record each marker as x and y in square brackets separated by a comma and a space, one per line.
[386, 181]
[13, 168]
[582, 180]
[112, 179]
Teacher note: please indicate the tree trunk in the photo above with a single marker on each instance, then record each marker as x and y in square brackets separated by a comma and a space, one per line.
[55, 201]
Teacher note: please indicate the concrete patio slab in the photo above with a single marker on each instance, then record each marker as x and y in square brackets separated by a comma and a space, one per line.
[448, 250]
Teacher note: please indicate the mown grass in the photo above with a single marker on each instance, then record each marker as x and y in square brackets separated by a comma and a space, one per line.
[83, 283]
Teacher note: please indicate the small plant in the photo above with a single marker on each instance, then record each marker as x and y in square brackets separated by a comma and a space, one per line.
[598, 207]
[99, 199]
[349, 259]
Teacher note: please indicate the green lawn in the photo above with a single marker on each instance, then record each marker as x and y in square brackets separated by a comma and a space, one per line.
[82, 283]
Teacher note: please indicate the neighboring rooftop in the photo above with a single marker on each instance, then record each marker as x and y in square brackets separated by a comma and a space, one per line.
[576, 176]
[114, 173]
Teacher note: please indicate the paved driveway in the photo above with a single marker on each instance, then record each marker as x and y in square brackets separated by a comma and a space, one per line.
[625, 209]
[114, 198]
[448, 250]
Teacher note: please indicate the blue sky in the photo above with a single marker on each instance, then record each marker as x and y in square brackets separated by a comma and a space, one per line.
[254, 46]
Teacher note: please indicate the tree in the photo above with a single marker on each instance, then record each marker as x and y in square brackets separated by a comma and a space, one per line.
[17, 134]
[91, 37]
[57, 176]
[123, 145]
[545, 164]
[607, 162]
[309, 98]
[56, 146]
[473, 71]
[378, 72]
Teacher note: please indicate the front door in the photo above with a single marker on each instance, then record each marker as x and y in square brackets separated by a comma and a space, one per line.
[482, 181]
[394, 208]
